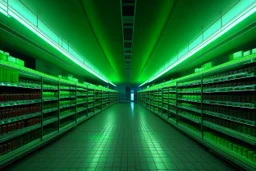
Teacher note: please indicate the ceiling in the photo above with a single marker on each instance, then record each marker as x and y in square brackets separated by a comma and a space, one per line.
[162, 28]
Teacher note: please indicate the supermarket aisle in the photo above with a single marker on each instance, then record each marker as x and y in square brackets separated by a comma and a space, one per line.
[123, 136]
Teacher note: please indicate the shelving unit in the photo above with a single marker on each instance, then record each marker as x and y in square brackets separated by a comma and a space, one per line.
[216, 107]
[35, 108]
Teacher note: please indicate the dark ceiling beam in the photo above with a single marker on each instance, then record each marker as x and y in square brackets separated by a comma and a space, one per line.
[128, 10]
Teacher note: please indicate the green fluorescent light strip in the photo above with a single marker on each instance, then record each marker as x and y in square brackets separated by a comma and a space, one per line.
[35, 30]
[243, 15]
[3, 9]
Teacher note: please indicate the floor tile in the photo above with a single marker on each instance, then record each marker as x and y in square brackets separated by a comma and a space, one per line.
[122, 138]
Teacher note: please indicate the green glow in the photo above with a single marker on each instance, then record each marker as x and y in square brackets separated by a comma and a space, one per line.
[243, 15]
[28, 22]
[3, 9]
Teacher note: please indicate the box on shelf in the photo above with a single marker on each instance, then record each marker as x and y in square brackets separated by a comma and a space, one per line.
[3, 55]
[206, 65]
[19, 62]
[198, 70]
[236, 55]
[246, 53]
[254, 51]
[75, 80]
[11, 59]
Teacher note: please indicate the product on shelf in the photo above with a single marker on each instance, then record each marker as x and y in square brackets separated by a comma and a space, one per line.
[11, 113]
[240, 150]
[27, 96]
[225, 97]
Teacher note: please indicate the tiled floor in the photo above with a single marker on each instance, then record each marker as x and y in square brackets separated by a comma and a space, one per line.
[123, 137]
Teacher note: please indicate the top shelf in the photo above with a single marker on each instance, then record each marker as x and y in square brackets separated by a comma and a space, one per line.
[207, 76]
[39, 76]
[21, 85]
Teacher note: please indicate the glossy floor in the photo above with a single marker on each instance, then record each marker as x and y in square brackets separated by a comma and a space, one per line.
[123, 137]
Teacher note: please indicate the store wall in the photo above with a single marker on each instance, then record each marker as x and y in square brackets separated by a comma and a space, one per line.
[125, 92]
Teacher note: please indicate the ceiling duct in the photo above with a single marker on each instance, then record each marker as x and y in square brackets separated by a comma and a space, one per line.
[128, 11]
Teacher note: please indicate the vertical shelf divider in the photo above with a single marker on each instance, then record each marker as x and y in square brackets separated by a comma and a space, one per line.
[59, 106]
[42, 117]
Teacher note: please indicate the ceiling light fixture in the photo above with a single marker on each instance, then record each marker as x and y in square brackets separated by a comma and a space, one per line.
[239, 18]
[13, 13]
[3, 9]
[143, 83]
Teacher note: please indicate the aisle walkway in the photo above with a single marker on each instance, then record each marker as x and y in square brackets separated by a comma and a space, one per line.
[124, 137]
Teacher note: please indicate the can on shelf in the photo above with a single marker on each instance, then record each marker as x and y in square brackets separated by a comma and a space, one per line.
[9, 128]
[235, 148]
[1, 149]
[14, 144]
[250, 155]
[245, 152]
[5, 148]
[254, 158]
[240, 150]
[9, 146]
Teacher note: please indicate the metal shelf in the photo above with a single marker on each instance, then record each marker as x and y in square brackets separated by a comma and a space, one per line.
[19, 151]
[50, 89]
[49, 121]
[50, 110]
[81, 110]
[90, 107]
[67, 126]
[18, 132]
[19, 102]
[190, 118]
[21, 85]
[234, 157]
[189, 92]
[190, 109]
[231, 118]
[19, 118]
[241, 136]
[67, 106]
[228, 78]
[172, 111]
[67, 97]
[190, 84]
[231, 104]
[188, 100]
[79, 103]
[231, 89]
[81, 95]
[66, 115]
[50, 99]
[68, 89]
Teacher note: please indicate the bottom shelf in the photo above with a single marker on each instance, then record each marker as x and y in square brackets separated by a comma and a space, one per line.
[81, 119]
[229, 155]
[18, 152]
[234, 157]
[32, 143]
[67, 126]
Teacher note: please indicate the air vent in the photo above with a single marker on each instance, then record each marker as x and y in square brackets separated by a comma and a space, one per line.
[128, 51]
[128, 19]
[127, 44]
[128, 25]
[128, 10]
[128, 1]
[127, 57]
[128, 34]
